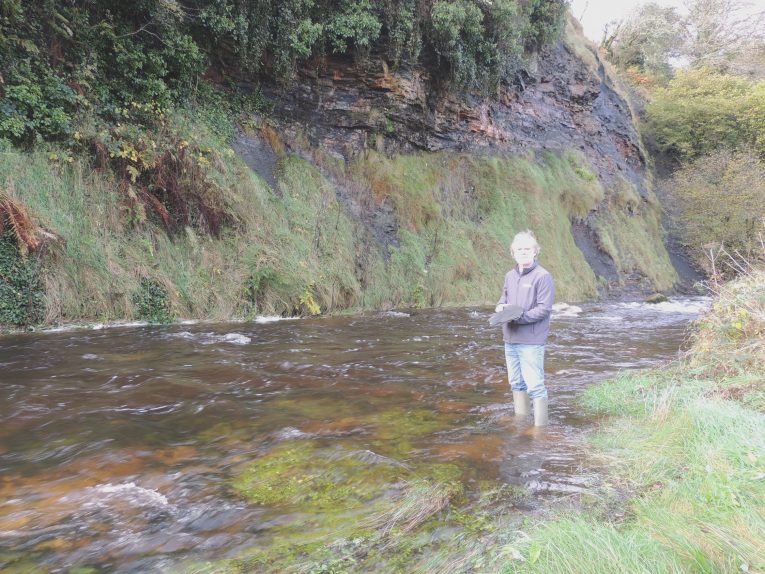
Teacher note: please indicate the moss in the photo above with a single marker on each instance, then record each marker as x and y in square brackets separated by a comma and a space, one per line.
[14, 562]
[411, 182]
[656, 298]
[625, 196]
[298, 473]
[348, 513]
[461, 256]
[395, 424]
[632, 236]
[228, 432]
[579, 188]
[352, 514]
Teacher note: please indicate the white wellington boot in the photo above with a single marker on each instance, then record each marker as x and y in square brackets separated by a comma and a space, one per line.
[522, 403]
[540, 412]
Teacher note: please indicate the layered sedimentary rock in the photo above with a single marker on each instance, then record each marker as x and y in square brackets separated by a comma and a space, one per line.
[562, 100]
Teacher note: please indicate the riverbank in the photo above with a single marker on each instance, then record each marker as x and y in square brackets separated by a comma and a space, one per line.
[687, 447]
[300, 247]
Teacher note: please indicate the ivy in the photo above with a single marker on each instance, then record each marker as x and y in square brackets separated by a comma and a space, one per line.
[152, 303]
[355, 24]
[21, 290]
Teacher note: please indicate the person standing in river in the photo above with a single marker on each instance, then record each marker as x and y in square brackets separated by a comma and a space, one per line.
[529, 286]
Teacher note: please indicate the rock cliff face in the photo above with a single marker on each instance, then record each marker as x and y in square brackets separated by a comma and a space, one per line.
[563, 101]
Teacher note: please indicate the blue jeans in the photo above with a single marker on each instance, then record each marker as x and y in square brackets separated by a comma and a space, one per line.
[526, 368]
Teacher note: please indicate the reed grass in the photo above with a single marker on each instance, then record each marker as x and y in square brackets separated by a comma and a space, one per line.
[420, 500]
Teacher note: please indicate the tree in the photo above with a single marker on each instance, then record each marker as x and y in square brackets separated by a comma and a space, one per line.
[724, 35]
[703, 110]
[648, 39]
[718, 200]
[719, 31]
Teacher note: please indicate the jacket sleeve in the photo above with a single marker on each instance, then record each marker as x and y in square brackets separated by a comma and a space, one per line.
[545, 297]
[503, 299]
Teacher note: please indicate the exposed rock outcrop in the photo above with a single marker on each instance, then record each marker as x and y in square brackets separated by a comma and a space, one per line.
[563, 100]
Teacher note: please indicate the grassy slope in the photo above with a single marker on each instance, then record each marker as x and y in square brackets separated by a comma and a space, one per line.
[297, 249]
[688, 444]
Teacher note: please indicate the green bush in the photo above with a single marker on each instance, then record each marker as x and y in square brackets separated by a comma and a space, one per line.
[152, 303]
[719, 200]
[21, 291]
[482, 42]
[546, 18]
[36, 105]
[404, 33]
[456, 32]
[355, 24]
[702, 110]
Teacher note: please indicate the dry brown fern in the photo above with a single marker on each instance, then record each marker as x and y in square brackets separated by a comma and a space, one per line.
[14, 215]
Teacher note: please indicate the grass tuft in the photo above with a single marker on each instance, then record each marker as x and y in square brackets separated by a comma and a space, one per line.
[419, 501]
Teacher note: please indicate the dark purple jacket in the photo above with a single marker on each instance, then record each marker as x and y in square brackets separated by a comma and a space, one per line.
[534, 292]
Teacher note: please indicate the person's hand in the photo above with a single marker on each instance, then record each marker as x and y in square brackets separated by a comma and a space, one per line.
[498, 308]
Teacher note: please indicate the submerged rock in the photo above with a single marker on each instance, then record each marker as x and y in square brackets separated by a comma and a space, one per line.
[656, 298]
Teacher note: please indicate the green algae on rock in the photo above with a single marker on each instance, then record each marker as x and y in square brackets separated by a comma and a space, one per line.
[301, 474]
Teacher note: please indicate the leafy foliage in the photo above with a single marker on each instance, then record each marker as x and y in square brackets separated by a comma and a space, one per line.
[702, 110]
[545, 21]
[355, 24]
[718, 200]
[476, 43]
[37, 105]
[646, 40]
[706, 118]
[456, 30]
[724, 35]
[481, 43]
[61, 61]
[21, 292]
[721, 32]
[152, 303]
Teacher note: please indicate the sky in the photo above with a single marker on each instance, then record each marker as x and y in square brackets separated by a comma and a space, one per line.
[595, 14]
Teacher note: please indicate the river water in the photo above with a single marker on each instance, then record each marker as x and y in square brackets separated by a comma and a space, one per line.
[123, 449]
